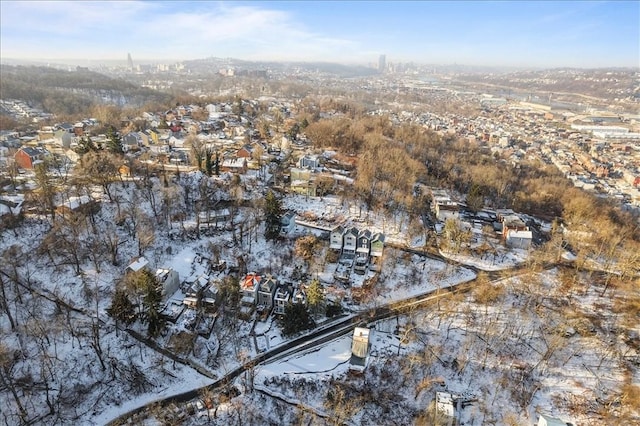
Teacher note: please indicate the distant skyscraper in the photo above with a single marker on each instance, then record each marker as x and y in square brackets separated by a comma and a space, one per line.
[129, 62]
[382, 63]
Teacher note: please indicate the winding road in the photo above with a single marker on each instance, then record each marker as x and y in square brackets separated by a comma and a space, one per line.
[336, 328]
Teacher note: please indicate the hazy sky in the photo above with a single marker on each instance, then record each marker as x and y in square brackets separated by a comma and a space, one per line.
[514, 33]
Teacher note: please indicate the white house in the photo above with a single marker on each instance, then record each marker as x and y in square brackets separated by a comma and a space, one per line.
[169, 280]
[444, 406]
[280, 300]
[447, 210]
[519, 239]
[545, 420]
[287, 223]
[299, 296]
[309, 162]
[359, 349]
[350, 241]
[335, 238]
[138, 264]
[213, 217]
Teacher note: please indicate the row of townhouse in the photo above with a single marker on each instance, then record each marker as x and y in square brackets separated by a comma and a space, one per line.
[351, 241]
[265, 294]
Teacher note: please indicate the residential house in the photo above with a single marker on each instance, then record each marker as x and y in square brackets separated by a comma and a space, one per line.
[83, 204]
[363, 243]
[336, 238]
[350, 241]
[211, 295]
[153, 136]
[79, 128]
[519, 239]
[266, 292]
[245, 152]
[545, 420]
[303, 182]
[309, 162]
[287, 223]
[447, 210]
[149, 116]
[512, 223]
[281, 298]
[138, 264]
[169, 279]
[359, 349]
[46, 132]
[299, 296]
[194, 290]
[28, 157]
[65, 127]
[249, 288]
[132, 141]
[213, 217]
[234, 165]
[10, 207]
[377, 245]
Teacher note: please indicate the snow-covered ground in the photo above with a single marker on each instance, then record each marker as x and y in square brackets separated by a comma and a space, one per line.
[64, 351]
[506, 371]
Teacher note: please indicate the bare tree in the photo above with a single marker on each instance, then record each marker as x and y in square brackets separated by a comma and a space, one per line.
[100, 168]
[7, 379]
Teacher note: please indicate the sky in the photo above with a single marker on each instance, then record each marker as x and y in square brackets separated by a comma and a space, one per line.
[491, 33]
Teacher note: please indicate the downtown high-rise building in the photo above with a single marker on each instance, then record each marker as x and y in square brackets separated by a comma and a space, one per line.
[382, 63]
[129, 62]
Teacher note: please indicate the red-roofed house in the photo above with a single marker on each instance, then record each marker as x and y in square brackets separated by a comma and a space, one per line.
[249, 287]
[28, 157]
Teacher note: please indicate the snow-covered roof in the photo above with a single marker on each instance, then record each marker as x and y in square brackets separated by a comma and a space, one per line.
[550, 421]
[11, 204]
[74, 202]
[444, 404]
[251, 281]
[360, 346]
[138, 264]
[519, 234]
[163, 273]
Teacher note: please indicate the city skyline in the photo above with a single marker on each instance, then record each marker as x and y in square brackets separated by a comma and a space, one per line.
[514, 34]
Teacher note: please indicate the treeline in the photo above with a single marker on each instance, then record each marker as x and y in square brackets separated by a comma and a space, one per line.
[391, 159]
[69, 93]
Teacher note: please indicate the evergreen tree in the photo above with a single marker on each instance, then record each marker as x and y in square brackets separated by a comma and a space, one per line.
[296, 318]
[238, 108]
[151, 290]
[208, 164]
[114, 142]
[85, 144]
[272, 216]
[315, 295]
[122, 309]
[216, 165]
